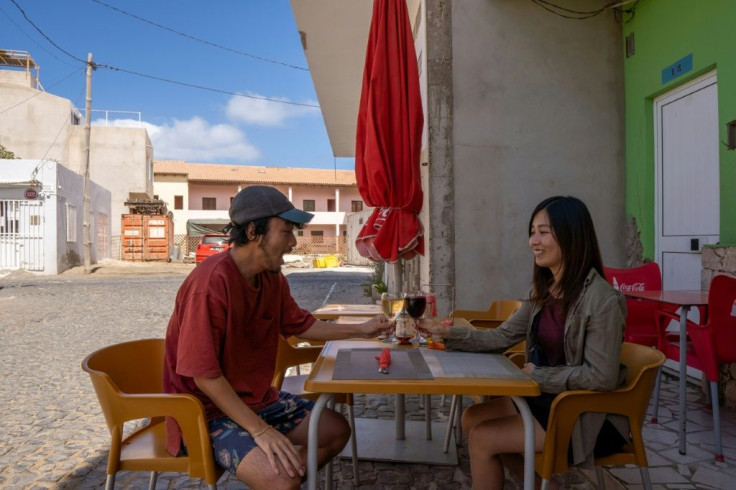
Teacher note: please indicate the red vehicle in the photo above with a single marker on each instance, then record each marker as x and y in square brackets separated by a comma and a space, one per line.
[210, 244]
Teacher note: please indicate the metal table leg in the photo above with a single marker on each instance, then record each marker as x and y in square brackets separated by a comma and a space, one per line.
[400, 411]
[683, 377]
[526, 416]
[313, 441]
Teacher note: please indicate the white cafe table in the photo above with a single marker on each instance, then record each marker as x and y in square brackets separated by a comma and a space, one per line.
[508, 380]
[334, 311]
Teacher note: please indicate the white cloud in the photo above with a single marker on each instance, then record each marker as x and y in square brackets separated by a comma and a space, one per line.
[194, 140]
[261, 112]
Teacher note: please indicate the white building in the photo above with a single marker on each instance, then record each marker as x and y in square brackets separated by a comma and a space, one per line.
[39, 125]
[41, 217]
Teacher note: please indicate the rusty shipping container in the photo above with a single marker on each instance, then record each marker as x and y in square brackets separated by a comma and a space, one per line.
[147, 237]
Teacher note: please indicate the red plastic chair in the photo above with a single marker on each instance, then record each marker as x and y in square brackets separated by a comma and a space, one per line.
[708, 345]
[640, 320]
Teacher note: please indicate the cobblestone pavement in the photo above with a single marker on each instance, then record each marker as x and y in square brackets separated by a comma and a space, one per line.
[52, 434]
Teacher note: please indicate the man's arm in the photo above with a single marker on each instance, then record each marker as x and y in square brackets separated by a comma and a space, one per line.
[269, 440]
[321, 330]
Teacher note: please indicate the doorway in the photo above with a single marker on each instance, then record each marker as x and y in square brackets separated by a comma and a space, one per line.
[687, 201]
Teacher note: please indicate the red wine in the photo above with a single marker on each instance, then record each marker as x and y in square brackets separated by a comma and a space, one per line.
[415, 305]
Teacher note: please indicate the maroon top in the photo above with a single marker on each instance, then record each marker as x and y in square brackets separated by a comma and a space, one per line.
[551, 333]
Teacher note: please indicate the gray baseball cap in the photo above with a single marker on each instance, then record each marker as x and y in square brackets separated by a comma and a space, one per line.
[260, 201]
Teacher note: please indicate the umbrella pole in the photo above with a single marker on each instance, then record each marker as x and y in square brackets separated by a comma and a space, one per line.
[399, 402]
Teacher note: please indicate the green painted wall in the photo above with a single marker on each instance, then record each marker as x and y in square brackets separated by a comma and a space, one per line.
[664, 32]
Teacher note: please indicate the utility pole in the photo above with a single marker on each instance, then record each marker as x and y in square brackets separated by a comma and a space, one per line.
[87, 134]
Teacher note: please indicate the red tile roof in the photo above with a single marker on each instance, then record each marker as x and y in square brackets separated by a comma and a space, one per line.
[217, 173]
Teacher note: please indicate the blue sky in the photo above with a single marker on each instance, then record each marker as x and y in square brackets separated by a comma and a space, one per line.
[184, 123]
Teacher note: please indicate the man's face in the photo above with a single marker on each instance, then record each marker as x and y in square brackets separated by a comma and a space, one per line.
[278, 240]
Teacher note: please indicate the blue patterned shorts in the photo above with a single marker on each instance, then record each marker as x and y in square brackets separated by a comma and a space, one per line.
[231, 443]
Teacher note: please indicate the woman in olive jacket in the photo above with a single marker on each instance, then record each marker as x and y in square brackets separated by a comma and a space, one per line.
[573, 324]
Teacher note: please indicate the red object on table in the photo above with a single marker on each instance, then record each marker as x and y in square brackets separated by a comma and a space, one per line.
[389, 138]
[384, 360]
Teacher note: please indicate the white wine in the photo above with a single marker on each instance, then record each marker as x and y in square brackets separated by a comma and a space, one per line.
[391, 306]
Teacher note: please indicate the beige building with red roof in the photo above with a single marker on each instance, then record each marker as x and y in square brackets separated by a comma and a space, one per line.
[199, 194]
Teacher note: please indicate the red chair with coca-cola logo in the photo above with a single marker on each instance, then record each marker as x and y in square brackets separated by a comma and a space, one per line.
[641, 326]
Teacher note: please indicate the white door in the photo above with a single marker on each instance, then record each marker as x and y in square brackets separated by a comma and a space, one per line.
[686, 196]
[21, 235]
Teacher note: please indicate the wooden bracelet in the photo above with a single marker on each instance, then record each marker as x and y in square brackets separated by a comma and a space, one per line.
[261, 432]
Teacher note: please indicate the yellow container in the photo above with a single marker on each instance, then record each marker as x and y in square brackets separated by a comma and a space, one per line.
[332, 261]
[319, 262]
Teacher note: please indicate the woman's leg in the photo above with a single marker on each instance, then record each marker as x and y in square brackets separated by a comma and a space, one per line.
[494, 428]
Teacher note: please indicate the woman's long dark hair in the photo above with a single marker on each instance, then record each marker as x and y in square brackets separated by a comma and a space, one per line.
[573, 229]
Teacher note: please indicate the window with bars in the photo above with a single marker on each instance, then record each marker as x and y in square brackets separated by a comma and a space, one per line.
[356, 206]
[209, 203]
[308, 205]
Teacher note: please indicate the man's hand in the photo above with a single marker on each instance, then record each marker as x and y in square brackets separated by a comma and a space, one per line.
[278, 446]
[272, 442]
[375, 326]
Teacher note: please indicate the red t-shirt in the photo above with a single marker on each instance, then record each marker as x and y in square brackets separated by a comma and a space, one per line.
[222, 325]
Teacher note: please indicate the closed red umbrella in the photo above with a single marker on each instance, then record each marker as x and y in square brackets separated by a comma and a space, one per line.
[389, 138]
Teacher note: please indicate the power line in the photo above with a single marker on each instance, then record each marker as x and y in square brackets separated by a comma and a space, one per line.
[203, 41]
[31, 39]
[154, 77]
[202, 87]
[38, 92]
[44, 34]
[577, 14]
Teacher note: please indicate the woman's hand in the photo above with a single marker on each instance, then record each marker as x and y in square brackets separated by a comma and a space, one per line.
[528, 368]
[276, 445]
[433, 327]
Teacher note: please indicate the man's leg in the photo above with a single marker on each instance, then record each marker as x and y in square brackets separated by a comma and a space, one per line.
[256, 472]
[334, 434]
[235, 450]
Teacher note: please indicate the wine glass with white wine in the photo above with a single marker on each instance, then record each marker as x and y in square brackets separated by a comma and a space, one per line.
[391, 305]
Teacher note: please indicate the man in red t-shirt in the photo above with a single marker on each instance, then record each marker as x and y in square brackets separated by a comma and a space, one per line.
[222, 340]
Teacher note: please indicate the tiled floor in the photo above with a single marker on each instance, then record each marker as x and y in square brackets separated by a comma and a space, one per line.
[668, 469]
[697, 468]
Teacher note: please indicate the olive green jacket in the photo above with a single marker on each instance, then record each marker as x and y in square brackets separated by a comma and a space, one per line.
[594, 330]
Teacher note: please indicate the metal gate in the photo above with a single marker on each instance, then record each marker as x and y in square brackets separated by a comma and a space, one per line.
[21, 235]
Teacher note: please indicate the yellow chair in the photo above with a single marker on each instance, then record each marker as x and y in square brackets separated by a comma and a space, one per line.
[290, 354]
[495, 315]
[630, 401]
[128, 380]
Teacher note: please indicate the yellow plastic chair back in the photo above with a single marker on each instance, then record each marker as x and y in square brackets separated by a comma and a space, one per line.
[495, 315]
[128, 380]
[630, 401]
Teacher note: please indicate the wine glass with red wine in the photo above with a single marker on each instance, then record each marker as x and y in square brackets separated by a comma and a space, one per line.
[415, 303]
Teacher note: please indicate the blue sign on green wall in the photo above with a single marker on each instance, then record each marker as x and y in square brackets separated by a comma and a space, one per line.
[679, 67]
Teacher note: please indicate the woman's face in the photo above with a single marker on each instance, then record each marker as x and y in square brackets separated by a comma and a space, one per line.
[546, 250]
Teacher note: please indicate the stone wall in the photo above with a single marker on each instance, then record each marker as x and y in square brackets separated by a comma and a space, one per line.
[721, 260]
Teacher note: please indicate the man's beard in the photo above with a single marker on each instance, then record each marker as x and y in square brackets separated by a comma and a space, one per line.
[277, 270]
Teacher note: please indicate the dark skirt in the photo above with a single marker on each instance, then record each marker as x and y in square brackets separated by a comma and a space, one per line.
[609, 440]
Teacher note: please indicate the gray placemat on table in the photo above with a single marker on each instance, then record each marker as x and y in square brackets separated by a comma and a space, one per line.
[457, 364]
[361, 364]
